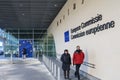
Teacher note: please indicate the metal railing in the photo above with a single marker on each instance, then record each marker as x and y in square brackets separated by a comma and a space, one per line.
[55, 69]
[52, 67]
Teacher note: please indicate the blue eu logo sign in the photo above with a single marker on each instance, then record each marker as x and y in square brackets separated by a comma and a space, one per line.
[66, 36]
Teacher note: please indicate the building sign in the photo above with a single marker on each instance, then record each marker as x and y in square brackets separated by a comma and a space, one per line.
[66, 36]
[78, 31]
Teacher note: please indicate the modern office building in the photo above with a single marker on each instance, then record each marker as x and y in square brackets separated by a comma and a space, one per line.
[50, 26]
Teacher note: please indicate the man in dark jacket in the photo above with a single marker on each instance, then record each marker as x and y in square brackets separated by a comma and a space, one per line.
[24, 53]
[78, 58]
[66, 62]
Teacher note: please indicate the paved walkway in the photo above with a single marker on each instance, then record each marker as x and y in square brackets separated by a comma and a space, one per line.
[25, 71]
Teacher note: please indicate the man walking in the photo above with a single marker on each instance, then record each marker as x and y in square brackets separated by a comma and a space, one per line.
[78, 58]
[24, 51]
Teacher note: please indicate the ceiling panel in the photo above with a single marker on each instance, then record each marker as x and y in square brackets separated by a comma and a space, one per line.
[28, 14]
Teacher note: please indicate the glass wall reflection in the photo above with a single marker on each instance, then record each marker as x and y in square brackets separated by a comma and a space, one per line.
[8, 45]
[43, 43]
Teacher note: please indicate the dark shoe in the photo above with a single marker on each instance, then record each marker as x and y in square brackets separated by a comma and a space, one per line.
[67, 78]
[75, 75]
[78, 78]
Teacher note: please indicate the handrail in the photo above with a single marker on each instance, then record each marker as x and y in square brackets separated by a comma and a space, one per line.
[89, 64]
[55, 69]
[52, 67]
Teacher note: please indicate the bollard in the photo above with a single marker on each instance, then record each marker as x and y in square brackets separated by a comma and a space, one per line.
[11, 58]
[58, 77]
[52, 67]
[55, 70]
[49, 64]
[38, 56]
[46, 62]
[43, 59]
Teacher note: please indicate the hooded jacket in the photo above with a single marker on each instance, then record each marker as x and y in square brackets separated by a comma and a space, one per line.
[78, 57]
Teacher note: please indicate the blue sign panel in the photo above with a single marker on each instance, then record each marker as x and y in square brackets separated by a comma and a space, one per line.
[66, 36]
[27, 44]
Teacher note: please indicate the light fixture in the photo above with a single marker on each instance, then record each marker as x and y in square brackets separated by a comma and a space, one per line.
[21, 5]
[55, 5]
[23, 14]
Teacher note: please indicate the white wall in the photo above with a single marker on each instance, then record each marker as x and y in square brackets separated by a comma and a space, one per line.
[102, 49]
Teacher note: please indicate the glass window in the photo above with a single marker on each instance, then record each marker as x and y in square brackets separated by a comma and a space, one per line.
[57, 23]
[68, 12]
[64, 17]
[60, 20]
[74, 6]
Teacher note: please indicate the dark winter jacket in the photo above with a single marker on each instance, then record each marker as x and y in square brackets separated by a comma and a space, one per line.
[78, 57]
[24, 51]
[66, 61]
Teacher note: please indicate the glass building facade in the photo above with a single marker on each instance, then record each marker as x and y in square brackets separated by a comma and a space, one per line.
[9, 44]
[43, 44]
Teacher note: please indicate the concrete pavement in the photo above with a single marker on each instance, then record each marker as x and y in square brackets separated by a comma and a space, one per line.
[27, 71]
